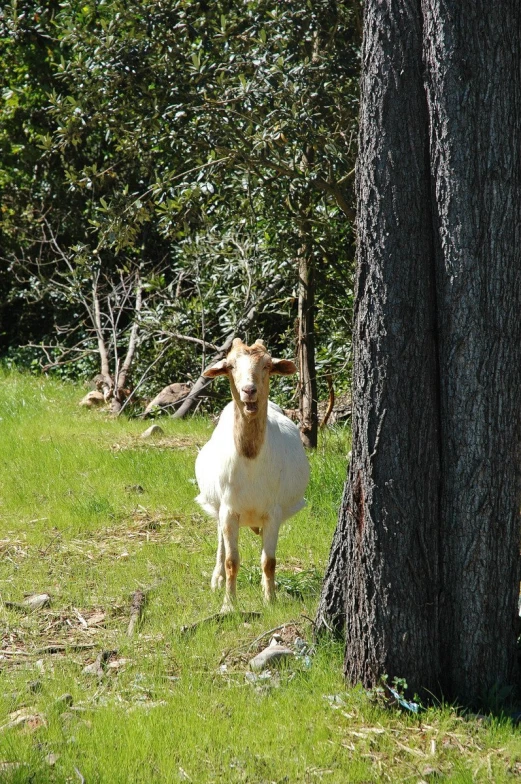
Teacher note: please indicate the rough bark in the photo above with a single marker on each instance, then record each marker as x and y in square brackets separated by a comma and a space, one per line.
[306, 340]
[424, 570]
[473, 55]
[382, 579]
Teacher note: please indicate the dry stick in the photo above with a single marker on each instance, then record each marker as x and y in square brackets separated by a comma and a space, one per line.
[80, 776]
[331, 401]
[312, 622]
[136, 610]
[59, 648]
[52, 648]
[142, 379]
[219, 618]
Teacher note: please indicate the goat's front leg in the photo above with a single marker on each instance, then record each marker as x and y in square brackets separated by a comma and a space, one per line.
[270, 535]
[229, 525]
[219, 573]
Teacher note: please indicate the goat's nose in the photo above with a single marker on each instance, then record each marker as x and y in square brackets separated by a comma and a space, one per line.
[249, 389]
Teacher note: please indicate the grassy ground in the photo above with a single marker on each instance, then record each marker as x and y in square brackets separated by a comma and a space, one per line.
[90, 513]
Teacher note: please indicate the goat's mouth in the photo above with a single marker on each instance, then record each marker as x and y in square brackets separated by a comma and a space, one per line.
[250, 406]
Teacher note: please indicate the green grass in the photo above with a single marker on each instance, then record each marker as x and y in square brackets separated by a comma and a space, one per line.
[89, 513]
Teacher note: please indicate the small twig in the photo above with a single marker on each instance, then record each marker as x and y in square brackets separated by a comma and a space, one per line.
[204, 343]
[52, 541]
[81, 618]
[142, 379]
[81, 778]
[136, 610]
[331, 400]
[219, 618]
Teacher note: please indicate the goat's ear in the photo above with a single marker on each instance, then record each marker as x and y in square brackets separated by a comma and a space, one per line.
[219, 369]
[283, 367]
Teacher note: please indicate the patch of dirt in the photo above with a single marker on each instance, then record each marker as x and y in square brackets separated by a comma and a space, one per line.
[143, 526]
[180, 443]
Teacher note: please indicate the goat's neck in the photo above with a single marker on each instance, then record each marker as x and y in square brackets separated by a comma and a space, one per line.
[249, 432]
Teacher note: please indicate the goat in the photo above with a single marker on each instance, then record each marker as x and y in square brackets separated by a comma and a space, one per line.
[253, 471]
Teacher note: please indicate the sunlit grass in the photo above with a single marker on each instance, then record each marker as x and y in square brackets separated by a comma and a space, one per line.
[89, 513]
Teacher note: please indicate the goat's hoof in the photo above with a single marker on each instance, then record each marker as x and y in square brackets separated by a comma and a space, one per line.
[217, 581]
[228, 607]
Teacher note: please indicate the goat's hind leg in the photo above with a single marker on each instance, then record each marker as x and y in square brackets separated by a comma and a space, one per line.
[219, 573]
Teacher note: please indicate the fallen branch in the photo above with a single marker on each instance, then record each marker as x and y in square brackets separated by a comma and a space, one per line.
[219, 618]
[52, 648]
[59, 648]
[137, 607]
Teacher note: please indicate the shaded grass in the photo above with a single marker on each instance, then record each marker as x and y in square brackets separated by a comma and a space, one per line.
[89, 513]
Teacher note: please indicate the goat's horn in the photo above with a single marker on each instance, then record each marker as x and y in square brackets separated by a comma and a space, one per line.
[260, 343]
[236, 342]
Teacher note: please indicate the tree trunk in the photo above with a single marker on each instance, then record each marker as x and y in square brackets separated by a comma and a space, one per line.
[306, 339]
[120, 391]
[424, 569]
[388, 520]
[473, 55]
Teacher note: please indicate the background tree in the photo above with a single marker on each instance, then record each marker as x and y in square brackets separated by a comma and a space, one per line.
[424, 569]
[187, 133]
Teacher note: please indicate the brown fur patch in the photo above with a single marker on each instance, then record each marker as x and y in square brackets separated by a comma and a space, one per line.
[249, 435]
[268, 567]
[255, 530]
[232, 567]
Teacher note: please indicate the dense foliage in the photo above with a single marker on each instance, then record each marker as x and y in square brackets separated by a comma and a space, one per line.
[185, 144]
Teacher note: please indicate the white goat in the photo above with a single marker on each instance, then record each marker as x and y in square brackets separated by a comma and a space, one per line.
[253, 471]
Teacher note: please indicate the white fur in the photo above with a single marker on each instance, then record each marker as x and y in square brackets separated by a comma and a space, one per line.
[260, 492]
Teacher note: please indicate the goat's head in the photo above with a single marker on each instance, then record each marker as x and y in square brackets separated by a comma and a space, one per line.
[249, 369]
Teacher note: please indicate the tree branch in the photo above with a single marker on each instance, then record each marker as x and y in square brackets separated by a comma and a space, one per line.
[132, 342]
